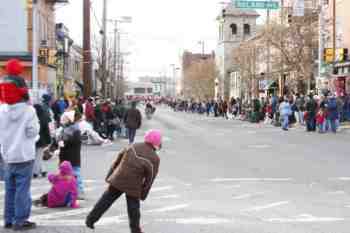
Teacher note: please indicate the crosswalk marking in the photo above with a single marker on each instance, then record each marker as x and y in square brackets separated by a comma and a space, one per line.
[196, 220]
[158, 189]
[61, 214]
[167, 208]
[251, 179]
[305, 218]
[246, 196]
[264, 207]
[167, 197]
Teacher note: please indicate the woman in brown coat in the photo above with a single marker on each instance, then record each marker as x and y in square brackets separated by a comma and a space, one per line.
[132, 173]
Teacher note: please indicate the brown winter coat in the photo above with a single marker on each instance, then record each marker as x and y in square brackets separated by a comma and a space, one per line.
[133, 119]
[133, 173]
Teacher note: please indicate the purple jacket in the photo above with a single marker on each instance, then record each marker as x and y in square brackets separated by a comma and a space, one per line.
[64, 188]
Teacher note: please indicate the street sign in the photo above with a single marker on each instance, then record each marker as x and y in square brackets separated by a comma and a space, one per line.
[272, 5]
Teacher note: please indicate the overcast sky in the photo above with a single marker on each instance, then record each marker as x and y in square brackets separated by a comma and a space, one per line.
[161, 29]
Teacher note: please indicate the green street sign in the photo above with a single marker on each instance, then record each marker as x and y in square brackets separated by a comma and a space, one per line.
[272, 5]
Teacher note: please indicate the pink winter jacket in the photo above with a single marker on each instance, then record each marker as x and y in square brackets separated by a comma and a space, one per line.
[64, 190]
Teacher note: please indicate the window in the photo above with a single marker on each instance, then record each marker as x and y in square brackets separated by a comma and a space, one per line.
[139, 90]
[221, 32]
[246, 29]
[233, 29]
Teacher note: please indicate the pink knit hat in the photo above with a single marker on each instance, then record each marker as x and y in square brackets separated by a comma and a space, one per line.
[154, 137]
[66, 168]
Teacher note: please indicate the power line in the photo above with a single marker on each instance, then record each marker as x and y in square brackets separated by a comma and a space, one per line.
[95, 17]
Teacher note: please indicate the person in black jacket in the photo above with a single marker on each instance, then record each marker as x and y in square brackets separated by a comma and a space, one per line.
[311, 108]
[44, 140]
[68, 142]
[133, 121]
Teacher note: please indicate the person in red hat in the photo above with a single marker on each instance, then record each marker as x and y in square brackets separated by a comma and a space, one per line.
[19, 130]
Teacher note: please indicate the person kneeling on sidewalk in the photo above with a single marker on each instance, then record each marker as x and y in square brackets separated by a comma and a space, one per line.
[64, 190]
[133, 173]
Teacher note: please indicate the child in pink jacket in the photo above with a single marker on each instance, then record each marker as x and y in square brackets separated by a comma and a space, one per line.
[64, 189]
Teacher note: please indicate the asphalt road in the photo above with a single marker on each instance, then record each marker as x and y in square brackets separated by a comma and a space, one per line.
[220, 176]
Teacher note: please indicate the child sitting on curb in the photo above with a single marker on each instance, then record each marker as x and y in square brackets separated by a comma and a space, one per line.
[64, 190]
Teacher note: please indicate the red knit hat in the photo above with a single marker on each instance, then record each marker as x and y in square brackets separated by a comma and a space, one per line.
[14, 67]
[13, 88]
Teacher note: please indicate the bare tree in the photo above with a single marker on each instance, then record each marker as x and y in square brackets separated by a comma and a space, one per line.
[296, 44]
[97, 51]
[245, 58]
[200, 80]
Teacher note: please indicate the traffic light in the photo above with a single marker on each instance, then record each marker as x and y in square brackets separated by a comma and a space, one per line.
[343, 54]
[328, 55]
[290, 18]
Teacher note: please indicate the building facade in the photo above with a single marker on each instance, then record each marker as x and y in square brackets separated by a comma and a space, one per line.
[162, 86]
[235, 26]
[339, 81]
[17, 39]
[142, 89]
[188, 60]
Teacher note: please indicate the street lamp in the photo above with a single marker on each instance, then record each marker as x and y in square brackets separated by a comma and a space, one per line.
[203, 46]
[117, 54]
[174, 78]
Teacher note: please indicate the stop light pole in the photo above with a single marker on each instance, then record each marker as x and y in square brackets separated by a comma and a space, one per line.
[87, 69]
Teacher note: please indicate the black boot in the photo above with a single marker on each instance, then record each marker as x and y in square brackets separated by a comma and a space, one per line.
[89, 223]
[137, 230]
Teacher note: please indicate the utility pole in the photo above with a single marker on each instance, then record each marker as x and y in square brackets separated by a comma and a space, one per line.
[115, 55]
[334, 32]
[104, 49]
[120, 67]
[203, 46]
[268, 60]
[87, 69]
[121, 77]
[320, 42]
[35, 48]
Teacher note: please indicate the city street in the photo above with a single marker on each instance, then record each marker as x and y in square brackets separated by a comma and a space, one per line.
[219, 176]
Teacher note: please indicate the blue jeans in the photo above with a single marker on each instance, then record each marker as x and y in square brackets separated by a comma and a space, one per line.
[285, 121]
[132, 134]
[321, 127]
[1, 168]
[77, 174]
[311, 123]
[331, 124]
[301, 117]
[18, 202]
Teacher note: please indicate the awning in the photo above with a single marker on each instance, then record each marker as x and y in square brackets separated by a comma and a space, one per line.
[4, 56]
[343, 64]
[80, 85]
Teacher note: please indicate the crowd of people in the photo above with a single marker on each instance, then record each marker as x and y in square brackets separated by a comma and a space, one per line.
[317, 113]
[33, 134]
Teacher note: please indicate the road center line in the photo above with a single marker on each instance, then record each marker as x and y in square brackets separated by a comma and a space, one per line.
[264, 207]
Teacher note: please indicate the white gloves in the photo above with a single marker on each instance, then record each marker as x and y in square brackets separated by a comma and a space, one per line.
[61, 144]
